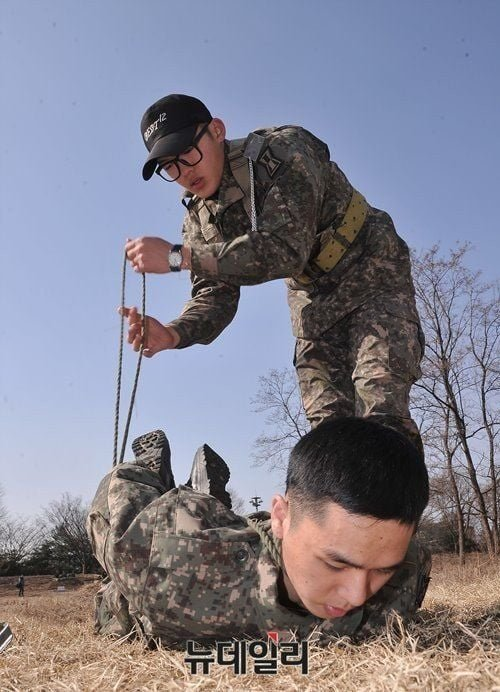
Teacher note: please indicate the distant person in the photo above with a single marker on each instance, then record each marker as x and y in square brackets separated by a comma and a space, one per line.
[335, 555]
[20, 585]
[269, 206]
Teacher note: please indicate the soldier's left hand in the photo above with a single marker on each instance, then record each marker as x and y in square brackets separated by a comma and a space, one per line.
[148, 255]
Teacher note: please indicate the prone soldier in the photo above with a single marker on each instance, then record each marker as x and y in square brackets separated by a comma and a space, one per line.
[334, 556]
[270, 206]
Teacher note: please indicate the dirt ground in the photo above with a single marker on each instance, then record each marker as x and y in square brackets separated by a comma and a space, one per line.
[44, 584]
[453, 646]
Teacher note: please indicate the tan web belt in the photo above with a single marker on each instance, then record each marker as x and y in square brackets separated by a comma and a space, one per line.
[336, 242]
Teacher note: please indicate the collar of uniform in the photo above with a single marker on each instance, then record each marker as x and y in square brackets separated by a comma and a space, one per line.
[340, 627]
[229, 190]
[188, 198]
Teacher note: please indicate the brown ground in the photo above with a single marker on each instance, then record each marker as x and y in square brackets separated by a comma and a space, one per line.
[454, 646]
[43, 585]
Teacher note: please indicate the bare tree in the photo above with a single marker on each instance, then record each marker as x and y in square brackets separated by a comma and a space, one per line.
[65, 521]
[237, 502]
[279, 398]
[3, 508]
[484, 340]
[18, 538]
[458, 396]
[456, 402]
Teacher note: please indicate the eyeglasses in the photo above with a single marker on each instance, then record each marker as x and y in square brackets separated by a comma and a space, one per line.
[170, 170]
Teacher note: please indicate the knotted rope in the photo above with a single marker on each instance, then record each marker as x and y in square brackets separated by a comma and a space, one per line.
[120, 366]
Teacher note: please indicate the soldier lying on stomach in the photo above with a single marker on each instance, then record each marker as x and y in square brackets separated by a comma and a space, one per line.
[335, 555]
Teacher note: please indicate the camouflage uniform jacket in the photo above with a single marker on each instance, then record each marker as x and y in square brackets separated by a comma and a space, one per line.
[183, 566]
[299, 193]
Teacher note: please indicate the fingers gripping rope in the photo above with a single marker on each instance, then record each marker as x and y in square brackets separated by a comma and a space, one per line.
[120, 367]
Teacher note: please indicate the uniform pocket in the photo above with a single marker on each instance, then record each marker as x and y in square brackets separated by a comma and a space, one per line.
[201, 587]
[211, 233]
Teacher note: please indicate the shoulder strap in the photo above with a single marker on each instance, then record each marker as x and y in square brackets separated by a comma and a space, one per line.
[243, 153]
[238, 164]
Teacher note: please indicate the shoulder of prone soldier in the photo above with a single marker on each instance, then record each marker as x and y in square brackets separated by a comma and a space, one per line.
[259, 516]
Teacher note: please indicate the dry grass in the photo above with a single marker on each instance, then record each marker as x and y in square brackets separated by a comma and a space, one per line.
[455, 645]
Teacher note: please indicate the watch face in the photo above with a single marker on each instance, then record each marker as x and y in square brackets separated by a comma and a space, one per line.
[175, 259]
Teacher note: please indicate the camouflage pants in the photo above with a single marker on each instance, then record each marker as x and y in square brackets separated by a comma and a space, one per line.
[365, 366]
[120, 498]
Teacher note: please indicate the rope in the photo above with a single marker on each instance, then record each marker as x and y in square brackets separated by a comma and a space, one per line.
[270, 542]
[120, 367]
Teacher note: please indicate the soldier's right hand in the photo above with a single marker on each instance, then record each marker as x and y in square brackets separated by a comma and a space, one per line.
[158, 336]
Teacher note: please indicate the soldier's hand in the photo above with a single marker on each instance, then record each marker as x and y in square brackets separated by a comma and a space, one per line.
[158, 336]
[148, 255]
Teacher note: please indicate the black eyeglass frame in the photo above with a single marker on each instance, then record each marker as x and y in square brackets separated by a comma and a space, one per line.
[178, 159]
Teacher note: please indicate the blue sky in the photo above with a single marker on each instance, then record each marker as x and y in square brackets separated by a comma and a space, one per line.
[404, 93]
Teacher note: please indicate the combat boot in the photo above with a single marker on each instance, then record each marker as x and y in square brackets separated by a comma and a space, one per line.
[210, 475]
[153, 451]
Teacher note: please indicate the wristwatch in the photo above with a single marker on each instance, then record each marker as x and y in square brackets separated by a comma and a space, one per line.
[175, 258]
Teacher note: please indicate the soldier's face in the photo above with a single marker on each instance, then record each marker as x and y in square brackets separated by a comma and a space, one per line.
[204, 178]
[336, 564]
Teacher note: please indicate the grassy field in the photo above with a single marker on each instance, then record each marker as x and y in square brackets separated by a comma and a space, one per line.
[454, 645]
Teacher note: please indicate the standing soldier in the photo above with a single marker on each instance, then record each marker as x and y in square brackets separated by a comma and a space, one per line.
[270, 206]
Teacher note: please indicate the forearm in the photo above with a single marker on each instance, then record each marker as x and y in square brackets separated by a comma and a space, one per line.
[250, 260]
[212, 307]
[287, 226]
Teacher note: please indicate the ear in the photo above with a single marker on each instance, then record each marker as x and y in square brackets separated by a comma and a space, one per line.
[218, 129]
[279, 513]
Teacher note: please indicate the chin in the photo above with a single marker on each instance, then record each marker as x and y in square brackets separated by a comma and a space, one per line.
[202, 192]
[321, 613]
[207, 192]
[317, 610]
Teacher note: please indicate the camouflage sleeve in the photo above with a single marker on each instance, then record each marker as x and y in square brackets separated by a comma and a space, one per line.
[403, 594]
[287, 222]
[212, 307]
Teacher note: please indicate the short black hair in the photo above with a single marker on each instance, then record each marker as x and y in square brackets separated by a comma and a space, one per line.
[365, 467]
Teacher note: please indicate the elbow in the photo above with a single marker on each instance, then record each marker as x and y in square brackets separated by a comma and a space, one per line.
[292, 264]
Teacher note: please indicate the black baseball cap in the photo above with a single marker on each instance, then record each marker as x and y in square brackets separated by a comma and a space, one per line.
[168, 127]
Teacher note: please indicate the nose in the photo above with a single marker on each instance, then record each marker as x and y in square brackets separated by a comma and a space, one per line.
[184, 170]
[187, 164]
[356, 589]
[186, 173]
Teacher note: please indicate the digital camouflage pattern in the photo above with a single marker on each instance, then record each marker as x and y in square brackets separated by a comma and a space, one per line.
[299, 194]
[363, 366]
[183, 566]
